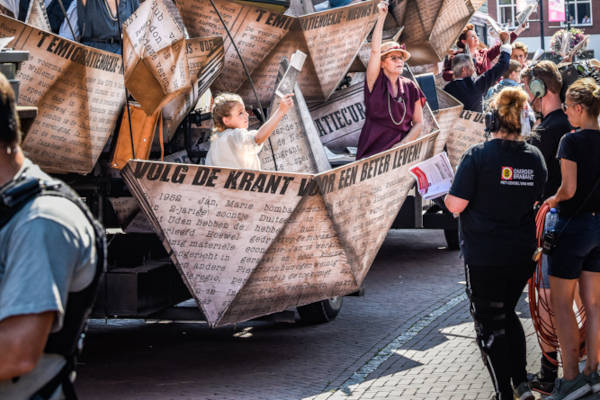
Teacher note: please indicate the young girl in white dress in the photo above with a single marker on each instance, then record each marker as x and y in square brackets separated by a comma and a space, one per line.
[232, 144]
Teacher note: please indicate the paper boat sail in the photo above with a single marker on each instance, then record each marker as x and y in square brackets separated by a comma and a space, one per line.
[157, 55]
[204, 67]
[294, 146]
[331, 38]
[37, 16]
[79, 93]
[250, 243]
[431, 27]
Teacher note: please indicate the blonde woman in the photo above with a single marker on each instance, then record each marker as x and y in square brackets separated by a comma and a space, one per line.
[494, 190]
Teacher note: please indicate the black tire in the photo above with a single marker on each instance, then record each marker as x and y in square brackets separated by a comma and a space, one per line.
[321, 311]
[451, 236]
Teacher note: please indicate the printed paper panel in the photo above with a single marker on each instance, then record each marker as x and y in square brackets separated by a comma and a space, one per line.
[78, 91]
[468, 131]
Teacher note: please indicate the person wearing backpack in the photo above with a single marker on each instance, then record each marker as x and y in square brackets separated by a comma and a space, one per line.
[52, 253]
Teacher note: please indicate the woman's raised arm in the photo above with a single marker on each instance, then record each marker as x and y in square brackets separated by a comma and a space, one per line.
[374, 63]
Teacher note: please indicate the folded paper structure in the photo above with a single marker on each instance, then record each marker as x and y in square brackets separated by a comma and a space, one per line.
[79, 93]
[431, 27]
[331, 39]
[250, 243]
[160, 63]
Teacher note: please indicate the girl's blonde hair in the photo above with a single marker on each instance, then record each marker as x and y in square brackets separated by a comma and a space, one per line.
[510, 103]
[585, 91]
[222, 106]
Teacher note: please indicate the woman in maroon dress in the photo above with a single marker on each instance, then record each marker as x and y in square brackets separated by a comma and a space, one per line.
[394, 104]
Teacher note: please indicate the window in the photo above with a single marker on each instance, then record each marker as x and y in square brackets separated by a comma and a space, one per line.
[507, 12]
[580, 12]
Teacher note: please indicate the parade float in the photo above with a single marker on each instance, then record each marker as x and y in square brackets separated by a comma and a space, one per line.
[241, 243]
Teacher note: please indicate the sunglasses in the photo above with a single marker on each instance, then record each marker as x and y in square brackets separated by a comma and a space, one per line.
[395, 58]
[566, 106]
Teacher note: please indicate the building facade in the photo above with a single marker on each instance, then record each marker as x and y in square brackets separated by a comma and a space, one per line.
[583, 14]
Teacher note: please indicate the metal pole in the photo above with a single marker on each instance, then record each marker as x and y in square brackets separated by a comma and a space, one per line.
[568, 15]
[541, 2]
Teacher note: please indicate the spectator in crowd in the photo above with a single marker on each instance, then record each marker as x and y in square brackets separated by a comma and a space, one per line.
[58, 23]
[482, 58]
[470, 91]
[545, 98]
[331, 4]
[97, 22]
[394, 104]
[519, 53]
[51, 256]
[576, 258]
[93, 24]
[510, 78]
[495, 187]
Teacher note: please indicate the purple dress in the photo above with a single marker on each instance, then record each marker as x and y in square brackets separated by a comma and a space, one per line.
[379, 133]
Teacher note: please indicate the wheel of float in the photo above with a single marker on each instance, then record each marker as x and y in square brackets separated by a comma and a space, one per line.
[321, 311]
[451, 236]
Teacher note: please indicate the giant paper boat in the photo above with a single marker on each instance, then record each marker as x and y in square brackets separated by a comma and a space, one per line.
[250, 243]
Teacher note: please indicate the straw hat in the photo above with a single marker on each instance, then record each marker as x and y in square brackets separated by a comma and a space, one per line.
[391, 47]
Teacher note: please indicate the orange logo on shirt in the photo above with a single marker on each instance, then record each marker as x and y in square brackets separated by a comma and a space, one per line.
[507, 173]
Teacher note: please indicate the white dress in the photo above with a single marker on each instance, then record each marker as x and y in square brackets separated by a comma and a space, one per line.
[234, 148]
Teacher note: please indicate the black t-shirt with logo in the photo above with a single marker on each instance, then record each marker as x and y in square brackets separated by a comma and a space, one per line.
[548, 134]
[582, 147]
[502, 179]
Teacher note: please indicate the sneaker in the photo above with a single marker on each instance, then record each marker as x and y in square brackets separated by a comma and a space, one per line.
[537, 384]
[570, 390]
[594, 381]
[523, 392]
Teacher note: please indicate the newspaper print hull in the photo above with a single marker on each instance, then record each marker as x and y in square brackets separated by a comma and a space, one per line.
[78, 91]
[446, 116]
[468, 130]
[250, 243]
[264, 38]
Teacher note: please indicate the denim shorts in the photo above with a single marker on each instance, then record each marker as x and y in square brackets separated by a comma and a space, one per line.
[578, 246]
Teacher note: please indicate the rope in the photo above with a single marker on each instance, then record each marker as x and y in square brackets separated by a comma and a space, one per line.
[261, 115]
[538, 300]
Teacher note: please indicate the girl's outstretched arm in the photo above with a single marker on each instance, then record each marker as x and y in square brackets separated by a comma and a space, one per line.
[268, 127]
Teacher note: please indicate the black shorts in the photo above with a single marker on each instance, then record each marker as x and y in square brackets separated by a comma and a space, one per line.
[578, 247]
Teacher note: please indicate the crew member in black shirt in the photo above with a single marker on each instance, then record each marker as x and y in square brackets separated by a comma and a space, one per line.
[554, 121]
[545, 80]
[471, 91]
[577, 255]
[494, 190]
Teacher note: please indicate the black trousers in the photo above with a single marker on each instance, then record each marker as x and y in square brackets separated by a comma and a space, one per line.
[494, 292]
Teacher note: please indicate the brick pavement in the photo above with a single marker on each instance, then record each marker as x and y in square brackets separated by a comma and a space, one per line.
[441, 361]
[409, 337]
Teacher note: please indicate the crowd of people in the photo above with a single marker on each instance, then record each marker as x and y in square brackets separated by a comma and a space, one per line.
[496, 190]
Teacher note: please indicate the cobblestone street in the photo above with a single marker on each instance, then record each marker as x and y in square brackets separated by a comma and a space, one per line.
[409, 337]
